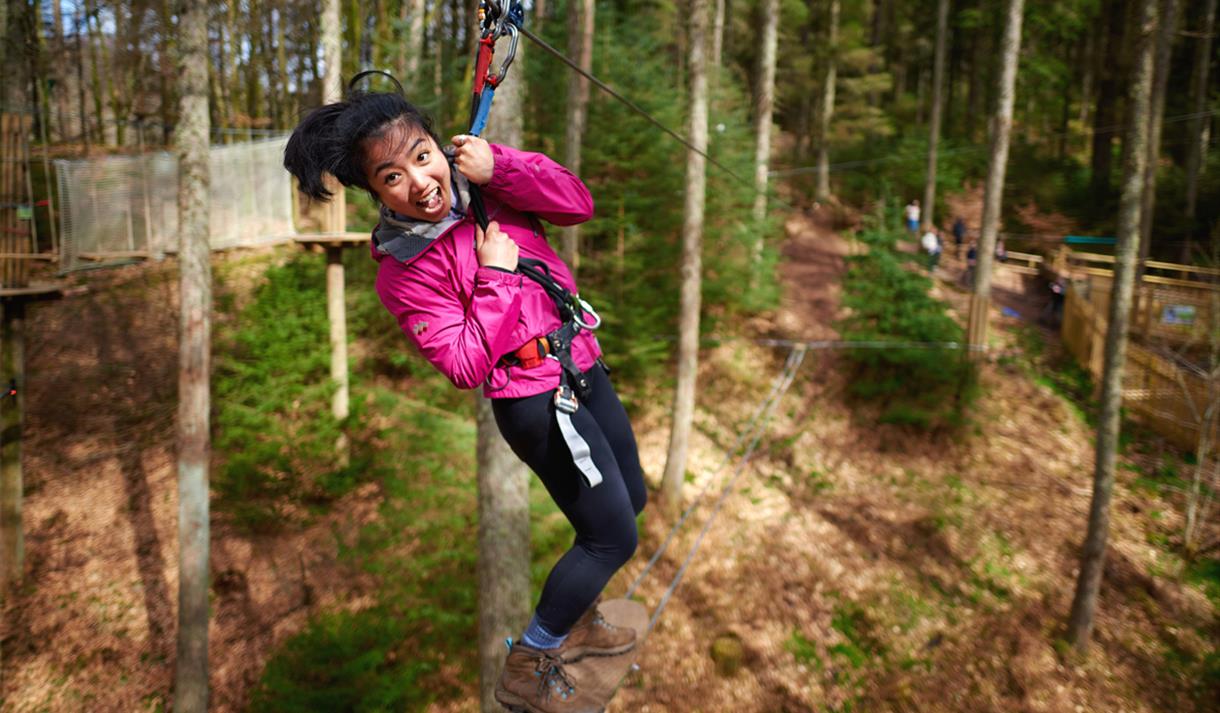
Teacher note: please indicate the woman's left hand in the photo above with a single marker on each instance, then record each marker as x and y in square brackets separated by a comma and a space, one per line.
[473, 158]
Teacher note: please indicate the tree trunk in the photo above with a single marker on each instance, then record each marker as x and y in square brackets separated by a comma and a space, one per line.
[80, 78]
[195, 287]
[717, 36]
[59, 51]
[287, 111]
[692, 247]
[12, 490]
[95, 71]
[415, 41]
[168, 33]
[996, 168]
[1109, 76]
[1166, 31]
[826, 104]
[1199, 94]
[938, 80]
[580, 48]
[1135, 155]
[762, 117]
[504, 526]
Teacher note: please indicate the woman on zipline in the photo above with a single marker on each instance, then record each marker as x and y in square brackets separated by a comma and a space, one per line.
[458, 294]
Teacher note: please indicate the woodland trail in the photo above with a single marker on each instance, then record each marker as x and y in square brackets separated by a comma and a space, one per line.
[862, 568]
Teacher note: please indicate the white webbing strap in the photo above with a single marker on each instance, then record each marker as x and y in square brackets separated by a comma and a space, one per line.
[582, 455]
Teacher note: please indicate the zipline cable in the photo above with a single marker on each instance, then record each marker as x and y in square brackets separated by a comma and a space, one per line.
[769, 192]
[795, 358]
[776, 386]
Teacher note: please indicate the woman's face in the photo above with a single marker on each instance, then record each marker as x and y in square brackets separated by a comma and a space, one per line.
[409, 174]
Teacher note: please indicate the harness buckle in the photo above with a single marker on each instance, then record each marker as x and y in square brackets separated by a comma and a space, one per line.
[565, 399]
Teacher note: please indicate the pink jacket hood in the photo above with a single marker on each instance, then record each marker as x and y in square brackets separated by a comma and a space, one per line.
[463, 317]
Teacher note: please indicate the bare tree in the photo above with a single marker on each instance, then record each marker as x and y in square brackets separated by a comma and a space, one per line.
[335, 220]
[1135, 155]
[938, 81]
[1160, 80]
[826, 105]
[504, 524]
[996, 168]
[1199, 94]
[413, 48]
[764, 104]
[580, 47]
[195, 366]
[692, 264]
[12, 489]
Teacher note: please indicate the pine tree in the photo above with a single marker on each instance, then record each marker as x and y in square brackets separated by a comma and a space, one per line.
[1135, 154]
[194, 396]
[997, 167]
[504, 513]
[691, 266]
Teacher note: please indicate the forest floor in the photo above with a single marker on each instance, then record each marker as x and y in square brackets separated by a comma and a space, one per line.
[861, 567]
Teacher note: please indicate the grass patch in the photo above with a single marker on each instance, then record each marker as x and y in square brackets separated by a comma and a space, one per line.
[860, 645]
[803, 650]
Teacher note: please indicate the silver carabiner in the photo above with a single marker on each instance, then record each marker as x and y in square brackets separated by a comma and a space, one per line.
[506, 28]
[586, 307]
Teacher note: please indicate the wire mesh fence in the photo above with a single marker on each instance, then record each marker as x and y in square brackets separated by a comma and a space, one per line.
[120, 207]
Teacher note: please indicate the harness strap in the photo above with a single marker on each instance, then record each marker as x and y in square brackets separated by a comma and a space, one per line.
[582, 454]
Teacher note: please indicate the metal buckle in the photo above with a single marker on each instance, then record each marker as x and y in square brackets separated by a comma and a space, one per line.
[565, 400]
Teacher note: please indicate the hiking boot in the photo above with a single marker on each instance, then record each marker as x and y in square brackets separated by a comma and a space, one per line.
[534, 681]
[592, 635]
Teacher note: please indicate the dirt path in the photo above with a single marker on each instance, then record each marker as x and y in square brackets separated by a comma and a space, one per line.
[867, 568]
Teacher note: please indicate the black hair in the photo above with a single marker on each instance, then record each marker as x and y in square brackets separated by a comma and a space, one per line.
[330, 138]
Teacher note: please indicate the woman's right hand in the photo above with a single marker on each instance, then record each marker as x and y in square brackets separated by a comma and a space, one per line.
[495, 248]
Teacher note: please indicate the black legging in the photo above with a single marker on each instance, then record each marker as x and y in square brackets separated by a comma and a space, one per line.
[603, 516]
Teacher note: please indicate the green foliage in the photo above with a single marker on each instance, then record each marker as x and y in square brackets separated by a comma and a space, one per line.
[273, 421]
[859, 646]
[803, 650]
[353, 661]
[926, 388]
[631, 250]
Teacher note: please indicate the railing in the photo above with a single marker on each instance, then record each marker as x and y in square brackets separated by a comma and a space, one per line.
[1166, 396]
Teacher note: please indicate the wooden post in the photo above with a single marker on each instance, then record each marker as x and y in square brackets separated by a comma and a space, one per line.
[12, 376]
[336, 313]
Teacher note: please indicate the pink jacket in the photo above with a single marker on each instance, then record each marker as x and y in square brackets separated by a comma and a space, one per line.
[462, 317]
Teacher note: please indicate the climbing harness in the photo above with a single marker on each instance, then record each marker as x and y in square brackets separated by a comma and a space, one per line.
[504, 19]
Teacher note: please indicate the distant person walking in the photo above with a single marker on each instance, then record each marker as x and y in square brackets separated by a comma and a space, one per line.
[933, 246]
[959, 236]
[972, 256]
[912, 214]
[1001, 253]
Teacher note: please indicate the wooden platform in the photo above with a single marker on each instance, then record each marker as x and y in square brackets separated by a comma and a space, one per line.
[343, 239]
[601, 676]
[44, 290]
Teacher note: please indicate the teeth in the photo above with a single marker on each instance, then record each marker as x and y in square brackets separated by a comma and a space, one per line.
[435, 194]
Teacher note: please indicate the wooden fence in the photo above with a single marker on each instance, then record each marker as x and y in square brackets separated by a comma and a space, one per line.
[1163, 390]
[18, 244]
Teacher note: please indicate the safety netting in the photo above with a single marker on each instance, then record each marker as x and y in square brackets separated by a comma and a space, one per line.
[118, 207]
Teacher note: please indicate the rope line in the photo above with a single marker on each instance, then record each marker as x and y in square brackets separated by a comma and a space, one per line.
[728, 457]
[768, 191]
[795, 358]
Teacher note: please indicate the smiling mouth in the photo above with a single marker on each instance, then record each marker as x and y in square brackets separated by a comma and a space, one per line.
[431, 201]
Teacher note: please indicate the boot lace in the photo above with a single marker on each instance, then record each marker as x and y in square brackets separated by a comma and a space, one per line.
[554, 679]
